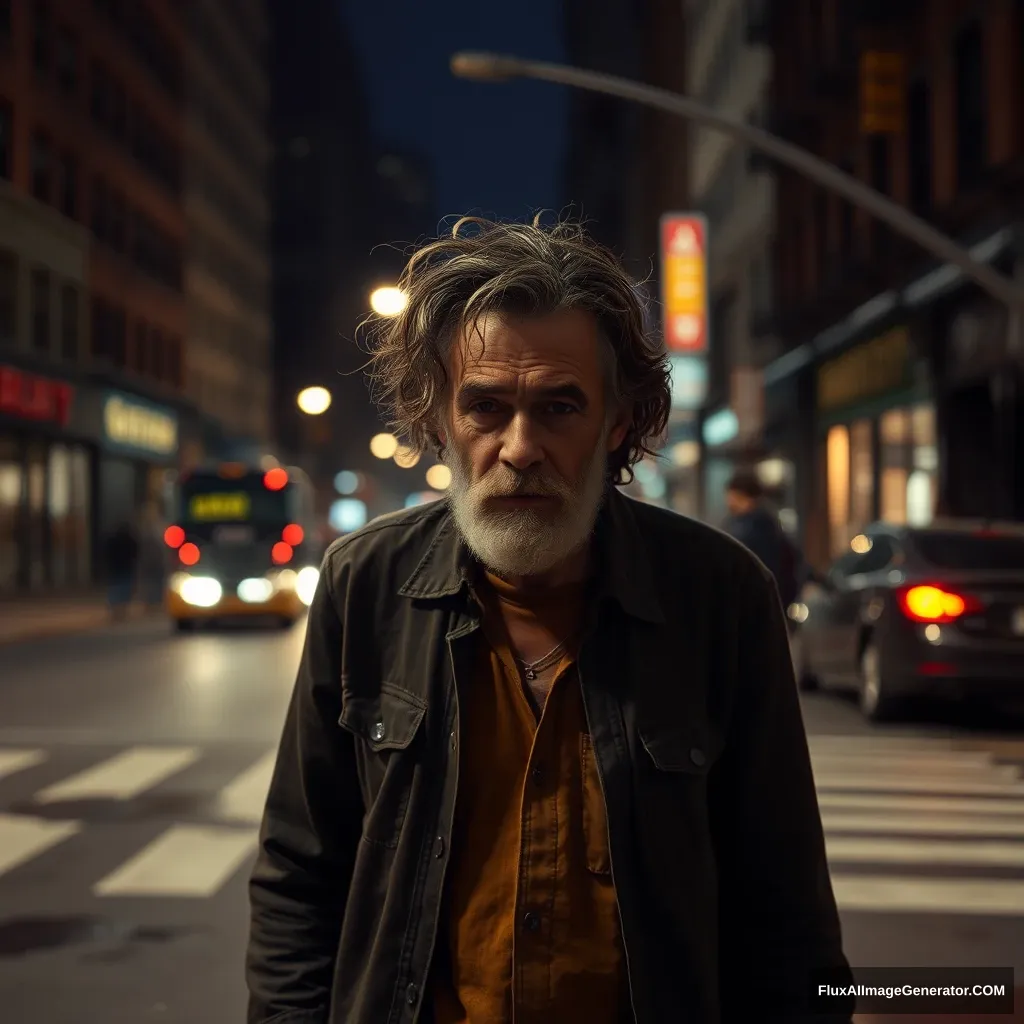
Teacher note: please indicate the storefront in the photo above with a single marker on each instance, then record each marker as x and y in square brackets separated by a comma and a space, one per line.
[74, 461]
[877, 438]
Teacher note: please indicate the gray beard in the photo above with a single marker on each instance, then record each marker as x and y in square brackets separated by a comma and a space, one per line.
[524, 542]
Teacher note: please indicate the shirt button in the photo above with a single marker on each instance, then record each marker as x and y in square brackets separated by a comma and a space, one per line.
[439, 847]
[697, 757]
[412, 993]
[377, 731]
[531, 920]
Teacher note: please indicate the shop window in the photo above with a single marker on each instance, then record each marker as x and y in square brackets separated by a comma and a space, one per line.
[67, 62]
[81, 516]
[922, 484]
[12, 484]
[894, 445]
[862, 475]
[69, 322]
[971, 99]
[838, 485]
[41, 36]
[8, 297]
[41, 310]
[6, 139]
[42, 171]
[919, 146]
[38, 546]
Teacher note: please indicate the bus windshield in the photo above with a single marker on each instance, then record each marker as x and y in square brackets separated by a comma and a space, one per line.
[209, 501]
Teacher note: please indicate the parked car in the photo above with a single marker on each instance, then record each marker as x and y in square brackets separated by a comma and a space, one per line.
[908, 613]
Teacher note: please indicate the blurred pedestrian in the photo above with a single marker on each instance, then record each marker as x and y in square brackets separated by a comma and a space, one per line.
[122, 557]
[152, 558]
[505, 693]
[757, 528]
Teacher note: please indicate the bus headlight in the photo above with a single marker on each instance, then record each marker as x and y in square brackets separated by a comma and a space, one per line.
[286, 579]
[305, 584]
[255, 591]
[201, 591]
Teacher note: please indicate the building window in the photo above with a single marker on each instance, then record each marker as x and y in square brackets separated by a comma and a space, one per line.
[108, 332]
[879, 164]
[100, 210]
[117, 225]
[41, 168]
[67, 61]
[69, 333]
[69, 186]
[6, 139]
[971, 106]
[919, 146]
[41, 36]
[41, 310]
[8, 297]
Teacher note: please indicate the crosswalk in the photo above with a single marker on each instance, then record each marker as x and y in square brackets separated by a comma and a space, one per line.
[912, 825]
[187, 859]
[922, 826]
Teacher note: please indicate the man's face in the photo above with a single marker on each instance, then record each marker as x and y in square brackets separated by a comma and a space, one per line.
[527, 437]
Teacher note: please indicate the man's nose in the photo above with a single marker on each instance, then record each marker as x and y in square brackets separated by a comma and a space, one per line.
[519, 445]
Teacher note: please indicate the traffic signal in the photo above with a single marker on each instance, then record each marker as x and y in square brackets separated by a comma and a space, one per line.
[883, 93]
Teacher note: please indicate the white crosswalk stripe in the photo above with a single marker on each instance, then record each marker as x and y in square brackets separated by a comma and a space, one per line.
[123, 776]
[919, 826]
[244, 797]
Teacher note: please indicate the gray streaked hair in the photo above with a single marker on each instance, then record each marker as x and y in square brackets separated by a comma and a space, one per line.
[518, 270]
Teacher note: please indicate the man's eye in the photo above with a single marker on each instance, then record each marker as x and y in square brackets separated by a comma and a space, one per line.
[485, 407]
[560, 409]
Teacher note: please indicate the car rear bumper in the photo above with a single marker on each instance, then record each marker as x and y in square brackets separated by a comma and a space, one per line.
[284, 603]
[959, 676]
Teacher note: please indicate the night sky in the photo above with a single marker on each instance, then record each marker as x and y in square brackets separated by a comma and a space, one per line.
[497, 149]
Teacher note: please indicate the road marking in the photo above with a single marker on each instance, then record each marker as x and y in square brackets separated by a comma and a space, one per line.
[862, 850]
[924, 804]
[244, 798]
[12, 761]
[123, 776]
[949, 786]
[923, 824]
[907, 894]
[23, 838]
[189, 861]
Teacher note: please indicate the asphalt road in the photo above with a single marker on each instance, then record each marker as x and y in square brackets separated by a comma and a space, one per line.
[133, 765]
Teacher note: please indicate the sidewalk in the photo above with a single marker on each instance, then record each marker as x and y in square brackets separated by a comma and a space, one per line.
[35, 618]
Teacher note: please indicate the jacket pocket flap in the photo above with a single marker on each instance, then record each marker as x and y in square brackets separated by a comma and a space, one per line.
[386, 721]
[680, 752]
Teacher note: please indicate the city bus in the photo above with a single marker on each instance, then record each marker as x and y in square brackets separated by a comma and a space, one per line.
[243, 543]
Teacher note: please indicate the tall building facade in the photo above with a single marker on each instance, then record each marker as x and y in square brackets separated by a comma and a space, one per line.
[227, 207]
[93, 317]
[893, 383]
[729, 70]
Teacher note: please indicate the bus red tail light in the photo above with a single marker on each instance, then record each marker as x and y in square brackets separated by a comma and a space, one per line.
[935, 604]
[275, 479]
[174, 536]
[293, 534]
[188, 554]
[281, 553]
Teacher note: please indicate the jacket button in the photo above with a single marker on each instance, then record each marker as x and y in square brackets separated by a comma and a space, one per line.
[452, 738]
[697, 757]
[377, 731]
[439, 847]
[412, 993]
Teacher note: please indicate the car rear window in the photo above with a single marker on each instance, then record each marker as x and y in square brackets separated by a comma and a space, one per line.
[967, 551]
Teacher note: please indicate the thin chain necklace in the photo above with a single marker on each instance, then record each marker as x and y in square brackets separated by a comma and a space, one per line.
[530, 669]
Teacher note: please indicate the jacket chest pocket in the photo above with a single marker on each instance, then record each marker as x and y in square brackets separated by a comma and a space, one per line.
[384, 727]
[679, 764]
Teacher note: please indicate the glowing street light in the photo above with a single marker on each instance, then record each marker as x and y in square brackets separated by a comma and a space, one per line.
[439, 477]
[314, 401]
[388, 301]
[406, 458]
[383, 446]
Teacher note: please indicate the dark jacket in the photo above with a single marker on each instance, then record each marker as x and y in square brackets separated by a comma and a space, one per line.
[716, 841]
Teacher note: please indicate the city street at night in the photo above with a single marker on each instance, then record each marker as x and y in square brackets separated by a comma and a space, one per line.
[133, 765]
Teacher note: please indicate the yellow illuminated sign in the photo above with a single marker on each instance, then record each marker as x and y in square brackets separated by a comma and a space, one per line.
[214, 507]
[867, 371]
[882, 93]
[139, 427]
[684, 283]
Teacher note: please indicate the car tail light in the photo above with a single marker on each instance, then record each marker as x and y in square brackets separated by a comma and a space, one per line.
[935, 604]
[293, 534]
[189, 554]
[281, 553]
[174, 536]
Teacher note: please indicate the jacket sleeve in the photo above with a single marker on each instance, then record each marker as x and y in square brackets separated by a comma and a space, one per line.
[309, 835]
[779, 926]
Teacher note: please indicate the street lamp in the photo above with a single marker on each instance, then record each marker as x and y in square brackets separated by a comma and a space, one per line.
[314, 401]
[388, 301]
[490, 67]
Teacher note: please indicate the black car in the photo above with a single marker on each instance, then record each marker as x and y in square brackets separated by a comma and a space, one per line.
[936, 612]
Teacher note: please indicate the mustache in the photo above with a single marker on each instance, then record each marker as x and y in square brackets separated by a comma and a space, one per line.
[509, 484]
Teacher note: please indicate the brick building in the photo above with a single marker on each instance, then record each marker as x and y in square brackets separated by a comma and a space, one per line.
[891, 385]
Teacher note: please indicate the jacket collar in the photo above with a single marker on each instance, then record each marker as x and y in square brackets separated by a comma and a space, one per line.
[626, 577]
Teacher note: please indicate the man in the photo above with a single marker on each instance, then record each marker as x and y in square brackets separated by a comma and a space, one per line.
[544, 759]
[759, 530]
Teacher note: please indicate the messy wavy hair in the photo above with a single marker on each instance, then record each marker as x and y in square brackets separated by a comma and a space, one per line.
[522, 270]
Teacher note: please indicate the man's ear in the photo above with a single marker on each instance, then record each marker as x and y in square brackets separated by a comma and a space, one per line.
[620, 428]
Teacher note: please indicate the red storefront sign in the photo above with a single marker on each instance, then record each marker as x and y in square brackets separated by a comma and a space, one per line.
[29, 397]
[684, 239]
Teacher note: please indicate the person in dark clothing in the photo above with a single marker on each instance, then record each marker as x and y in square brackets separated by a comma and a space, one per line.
[758, 529]
[122, 556]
